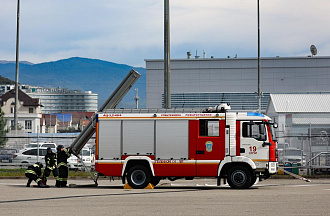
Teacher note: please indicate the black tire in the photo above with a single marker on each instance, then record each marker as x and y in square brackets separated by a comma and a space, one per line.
[239, 177]
[155, 180]
[253, 180]
[138, 177]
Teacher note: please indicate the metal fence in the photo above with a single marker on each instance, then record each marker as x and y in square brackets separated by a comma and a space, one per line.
[305, 154]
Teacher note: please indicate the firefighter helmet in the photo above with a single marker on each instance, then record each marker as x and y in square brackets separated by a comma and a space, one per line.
[59, 148]
[39, 164]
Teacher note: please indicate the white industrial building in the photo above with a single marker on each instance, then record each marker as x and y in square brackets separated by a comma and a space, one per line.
[205, 82]
[303, 123]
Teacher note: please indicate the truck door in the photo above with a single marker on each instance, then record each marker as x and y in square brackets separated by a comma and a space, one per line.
[254, 141]
[210, 146]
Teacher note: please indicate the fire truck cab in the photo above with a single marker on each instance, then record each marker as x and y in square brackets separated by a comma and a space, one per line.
[144, 148]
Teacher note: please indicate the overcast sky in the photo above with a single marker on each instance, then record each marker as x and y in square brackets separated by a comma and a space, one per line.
[129, 31]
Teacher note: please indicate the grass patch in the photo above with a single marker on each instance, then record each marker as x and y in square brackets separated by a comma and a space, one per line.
[12, 172]
[21, 173]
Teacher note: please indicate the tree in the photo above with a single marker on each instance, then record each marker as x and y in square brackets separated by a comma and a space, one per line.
[3, 129]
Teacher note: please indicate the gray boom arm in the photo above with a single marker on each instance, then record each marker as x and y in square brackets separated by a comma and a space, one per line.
[111, 103]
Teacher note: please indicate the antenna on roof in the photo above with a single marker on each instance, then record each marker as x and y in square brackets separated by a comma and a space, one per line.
[313, 50]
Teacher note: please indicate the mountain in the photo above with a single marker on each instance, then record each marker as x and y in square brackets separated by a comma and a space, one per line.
[84, 74]
[5, 81]
[21, 62]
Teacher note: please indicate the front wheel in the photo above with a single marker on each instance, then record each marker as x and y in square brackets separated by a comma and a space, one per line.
[239, 177]
[138, 177]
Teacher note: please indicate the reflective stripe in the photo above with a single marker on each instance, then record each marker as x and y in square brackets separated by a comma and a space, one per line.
[51, 168]
[31, 172]
[61, 164]
[62, 179]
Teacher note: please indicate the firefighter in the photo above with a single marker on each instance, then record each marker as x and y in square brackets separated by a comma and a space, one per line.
[62, 158]
[51, 165]
[33, 173]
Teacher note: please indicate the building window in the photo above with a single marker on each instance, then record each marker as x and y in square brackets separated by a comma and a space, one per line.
[12, 109]
[28, 124]
[30, 110]
[12, 123]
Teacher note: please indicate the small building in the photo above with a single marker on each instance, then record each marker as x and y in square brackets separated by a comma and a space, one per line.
[28, 111]
[49, 123]
[303, 121]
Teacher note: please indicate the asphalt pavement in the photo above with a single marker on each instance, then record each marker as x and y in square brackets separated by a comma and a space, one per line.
[197, 197]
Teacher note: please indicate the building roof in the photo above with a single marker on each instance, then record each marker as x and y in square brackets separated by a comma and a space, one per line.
[22, 97]
[301, 103]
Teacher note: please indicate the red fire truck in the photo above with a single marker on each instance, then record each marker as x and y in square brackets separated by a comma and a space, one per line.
[148, 147]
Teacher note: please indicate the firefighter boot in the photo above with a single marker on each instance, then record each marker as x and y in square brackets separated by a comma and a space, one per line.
[28, 183]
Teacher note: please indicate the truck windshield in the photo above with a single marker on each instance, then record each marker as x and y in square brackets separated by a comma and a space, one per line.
[86, 153]
[255, 130]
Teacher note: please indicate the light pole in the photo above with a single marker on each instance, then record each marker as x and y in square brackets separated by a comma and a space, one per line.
[259, 75]
[167, 67]
[17, 67]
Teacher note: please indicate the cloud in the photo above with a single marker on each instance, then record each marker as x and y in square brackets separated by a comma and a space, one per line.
[130, 31]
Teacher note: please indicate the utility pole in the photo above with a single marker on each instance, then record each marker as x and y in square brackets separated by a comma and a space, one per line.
[17, 67]
[259, 74]
[167, 66]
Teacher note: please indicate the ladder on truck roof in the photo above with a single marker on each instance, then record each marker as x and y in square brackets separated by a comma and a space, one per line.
[217, 109]
[111, 103]
[155, 110]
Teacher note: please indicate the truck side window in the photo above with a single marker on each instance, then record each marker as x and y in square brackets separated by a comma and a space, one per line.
[209, 127]
[254, 130]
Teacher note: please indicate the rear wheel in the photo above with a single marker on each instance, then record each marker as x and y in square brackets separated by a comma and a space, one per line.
[138, 177]
[239, 177]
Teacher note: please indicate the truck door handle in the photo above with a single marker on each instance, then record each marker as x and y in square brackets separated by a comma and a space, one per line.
[200, 152]
[266, 144]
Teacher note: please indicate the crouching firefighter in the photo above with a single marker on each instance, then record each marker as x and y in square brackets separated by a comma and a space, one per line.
[62, 160]
[33, 173]
[51, 165]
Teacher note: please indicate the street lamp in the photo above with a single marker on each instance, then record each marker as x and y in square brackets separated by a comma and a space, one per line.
[17, 67]
[259, 75]
[167, 67]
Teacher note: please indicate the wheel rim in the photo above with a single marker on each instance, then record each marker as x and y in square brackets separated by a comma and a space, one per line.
[238, 177]
[138, 177]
